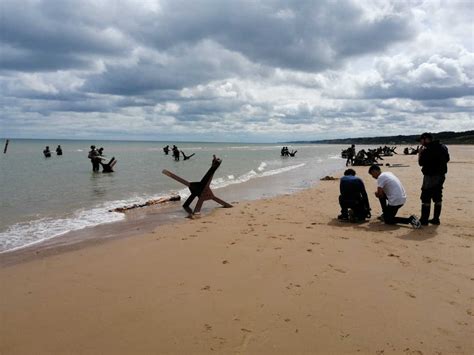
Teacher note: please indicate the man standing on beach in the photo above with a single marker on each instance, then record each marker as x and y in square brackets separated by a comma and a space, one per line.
[392, 196]
[433, 158]
[353, 196]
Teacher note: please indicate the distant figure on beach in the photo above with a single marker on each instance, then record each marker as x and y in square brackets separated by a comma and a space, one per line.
[293, 153]
[392, 197]
[351, 151]
[95, 158]
[47, 152]
[59, 150]
[166, 149]
[353, 197]
[186, 157]
[433, 159]
[175, 153]
[100, 151]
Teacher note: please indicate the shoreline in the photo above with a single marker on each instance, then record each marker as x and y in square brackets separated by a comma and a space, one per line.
[276, 275]
[239, 183]
[137, 222]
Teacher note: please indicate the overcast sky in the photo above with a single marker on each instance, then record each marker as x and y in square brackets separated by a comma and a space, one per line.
[220, 70]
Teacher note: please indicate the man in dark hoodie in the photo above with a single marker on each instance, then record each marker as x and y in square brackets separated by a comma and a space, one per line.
[433, 159]
[353, 197]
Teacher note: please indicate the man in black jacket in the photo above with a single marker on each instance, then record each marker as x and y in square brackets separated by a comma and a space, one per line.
[433, 158]
[353, 197]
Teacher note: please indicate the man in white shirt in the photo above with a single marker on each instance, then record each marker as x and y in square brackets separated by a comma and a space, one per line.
[392, 197]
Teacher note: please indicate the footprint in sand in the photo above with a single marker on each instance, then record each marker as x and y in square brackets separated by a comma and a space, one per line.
[410, 294]
[225, 262]
[206, 288]
[207, 327]
[336, 269]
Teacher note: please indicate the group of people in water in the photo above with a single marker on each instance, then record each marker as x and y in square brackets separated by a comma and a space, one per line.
[353, 200]
[366, 157]
[98, 159]
[47, 152]
[176, 153]
[285, 152]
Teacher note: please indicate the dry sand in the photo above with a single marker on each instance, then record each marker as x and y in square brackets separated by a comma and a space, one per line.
[270, 276]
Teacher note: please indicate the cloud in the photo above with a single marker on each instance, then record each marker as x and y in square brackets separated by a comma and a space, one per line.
[234, 70]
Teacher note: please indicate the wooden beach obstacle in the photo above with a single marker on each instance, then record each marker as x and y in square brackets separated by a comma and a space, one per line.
[108, 167]
[6, 146]
[200, 189]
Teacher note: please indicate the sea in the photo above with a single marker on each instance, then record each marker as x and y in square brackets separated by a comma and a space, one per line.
[43, 198]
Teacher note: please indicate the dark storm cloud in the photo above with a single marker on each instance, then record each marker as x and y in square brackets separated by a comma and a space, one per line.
[50, 35]
[179, 67]
[305, 35]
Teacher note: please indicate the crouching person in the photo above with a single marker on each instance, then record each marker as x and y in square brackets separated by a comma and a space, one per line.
[353, 199]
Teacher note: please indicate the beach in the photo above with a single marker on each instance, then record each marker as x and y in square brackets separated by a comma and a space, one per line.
[278, 275]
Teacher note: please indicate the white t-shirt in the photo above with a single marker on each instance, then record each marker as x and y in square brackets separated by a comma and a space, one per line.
[393, 188]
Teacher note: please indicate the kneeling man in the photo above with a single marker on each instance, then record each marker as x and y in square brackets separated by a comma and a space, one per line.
[392, 197]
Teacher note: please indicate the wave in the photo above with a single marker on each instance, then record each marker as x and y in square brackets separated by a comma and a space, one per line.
[25, 234]
[262, 166]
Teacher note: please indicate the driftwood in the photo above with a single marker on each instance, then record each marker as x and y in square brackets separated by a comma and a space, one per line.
[328, 178]
[146, 204]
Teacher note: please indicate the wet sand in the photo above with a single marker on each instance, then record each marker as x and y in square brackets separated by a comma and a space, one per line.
[278, 275]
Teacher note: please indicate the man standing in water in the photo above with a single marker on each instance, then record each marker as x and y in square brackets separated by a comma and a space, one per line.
[433, 159]
[95, 159]
[175, 153]
[47, 152]
[351, 151]
[59, 150]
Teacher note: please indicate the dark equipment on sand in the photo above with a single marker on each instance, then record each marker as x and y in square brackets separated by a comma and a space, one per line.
[6, 146]
[200, 189]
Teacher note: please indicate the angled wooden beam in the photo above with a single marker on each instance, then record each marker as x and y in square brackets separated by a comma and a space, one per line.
[200, 189]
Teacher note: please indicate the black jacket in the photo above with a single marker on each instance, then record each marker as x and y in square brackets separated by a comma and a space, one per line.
[434, 159]
[352, 189]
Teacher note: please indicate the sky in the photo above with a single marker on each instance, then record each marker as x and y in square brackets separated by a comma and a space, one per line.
[240, 71]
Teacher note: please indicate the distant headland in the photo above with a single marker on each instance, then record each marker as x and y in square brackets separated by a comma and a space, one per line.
[466, 137]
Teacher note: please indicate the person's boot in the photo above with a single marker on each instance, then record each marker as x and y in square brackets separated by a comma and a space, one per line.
[436, 214]
[425, 213]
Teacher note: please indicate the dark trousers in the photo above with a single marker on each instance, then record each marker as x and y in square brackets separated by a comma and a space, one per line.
[432, 189]
[356, 205]
[95, 164]
[390, 212]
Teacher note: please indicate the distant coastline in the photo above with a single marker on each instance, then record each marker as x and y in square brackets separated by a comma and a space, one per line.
[466, 137]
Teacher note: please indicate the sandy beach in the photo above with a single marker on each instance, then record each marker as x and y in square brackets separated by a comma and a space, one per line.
[274, 276]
